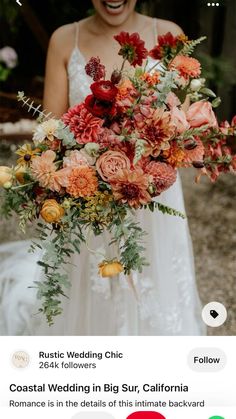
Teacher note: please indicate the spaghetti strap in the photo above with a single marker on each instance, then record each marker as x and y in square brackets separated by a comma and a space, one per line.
[155, 28]
[76, 34]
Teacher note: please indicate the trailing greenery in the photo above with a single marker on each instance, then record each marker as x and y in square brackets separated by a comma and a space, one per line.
[57, 251]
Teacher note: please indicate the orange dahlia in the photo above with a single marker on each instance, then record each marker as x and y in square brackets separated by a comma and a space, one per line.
[131, 187]
[82, 182]
[174, 155]
[186, 66]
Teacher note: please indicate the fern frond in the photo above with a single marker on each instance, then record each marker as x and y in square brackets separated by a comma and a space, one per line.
[30, 105]
[191, 45]
[140, 148]
[164, 209]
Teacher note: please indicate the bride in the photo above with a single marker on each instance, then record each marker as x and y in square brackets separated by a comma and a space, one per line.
[167, 302]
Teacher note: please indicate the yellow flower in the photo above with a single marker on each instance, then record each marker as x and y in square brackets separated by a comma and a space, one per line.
[26, 154]
[5, 175]
[20, 173]
[109, 269]
[51, 211]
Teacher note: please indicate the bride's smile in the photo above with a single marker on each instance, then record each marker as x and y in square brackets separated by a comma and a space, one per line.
[114, 12]
[114, 7]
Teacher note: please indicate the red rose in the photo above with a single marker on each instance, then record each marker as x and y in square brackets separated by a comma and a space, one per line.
[104, 90]
[99, 108]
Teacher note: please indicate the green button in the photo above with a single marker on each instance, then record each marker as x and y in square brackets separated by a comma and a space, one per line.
[216, 417]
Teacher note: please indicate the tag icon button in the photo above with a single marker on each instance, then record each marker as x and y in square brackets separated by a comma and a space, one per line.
[214, 314]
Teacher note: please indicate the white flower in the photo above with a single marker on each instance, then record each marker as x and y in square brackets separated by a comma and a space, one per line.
[74, 159]
[196, 84]
[89, 158]
[46, 131]
[92, 149]
[8, 56]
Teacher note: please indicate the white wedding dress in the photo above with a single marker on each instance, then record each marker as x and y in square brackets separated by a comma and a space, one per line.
[167, 301]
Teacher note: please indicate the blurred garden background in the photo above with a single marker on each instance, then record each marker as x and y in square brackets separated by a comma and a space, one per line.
[210, 207]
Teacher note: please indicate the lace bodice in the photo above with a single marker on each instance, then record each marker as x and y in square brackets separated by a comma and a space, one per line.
[79, 81]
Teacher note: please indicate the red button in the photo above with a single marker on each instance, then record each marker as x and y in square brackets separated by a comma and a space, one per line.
[146, 415]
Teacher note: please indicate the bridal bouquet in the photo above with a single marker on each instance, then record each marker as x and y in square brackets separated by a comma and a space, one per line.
[114, 154]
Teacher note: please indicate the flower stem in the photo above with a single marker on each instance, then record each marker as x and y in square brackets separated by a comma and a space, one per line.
[22, 186]
[87, 240]
[123, 64]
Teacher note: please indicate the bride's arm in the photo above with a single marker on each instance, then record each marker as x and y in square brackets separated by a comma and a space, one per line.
[56, 85]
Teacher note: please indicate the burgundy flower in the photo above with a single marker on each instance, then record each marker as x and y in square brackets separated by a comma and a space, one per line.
[99, 108]
[132, 48]
[167, 46]
[156, 53]
[95, 69]
[168, 40]
[104, 90]
[163, 41]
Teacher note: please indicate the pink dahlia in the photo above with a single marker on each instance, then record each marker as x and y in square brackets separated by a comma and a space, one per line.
[83, 124]
[164, 176]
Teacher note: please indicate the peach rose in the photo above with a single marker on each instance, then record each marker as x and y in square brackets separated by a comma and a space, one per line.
[201, 113]
[51, 211]
[179, 120]
[110, 162]
[109, 269]
[5, 175]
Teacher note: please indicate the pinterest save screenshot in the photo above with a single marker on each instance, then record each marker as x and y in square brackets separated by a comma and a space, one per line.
[117, 209]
